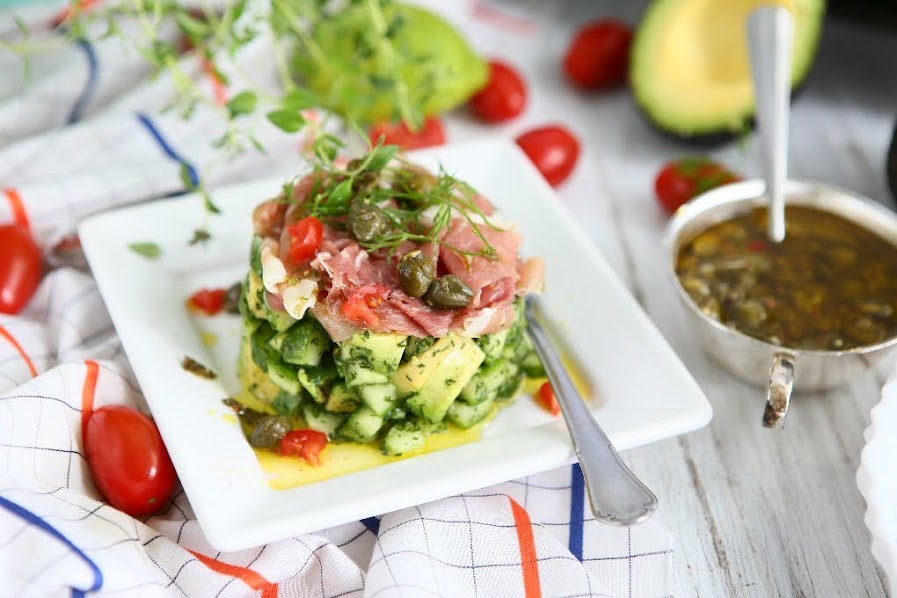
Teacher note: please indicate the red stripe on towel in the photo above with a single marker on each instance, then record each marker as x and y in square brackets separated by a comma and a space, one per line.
[528, 560]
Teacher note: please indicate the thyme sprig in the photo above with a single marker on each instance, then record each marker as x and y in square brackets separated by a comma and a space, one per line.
[419, 207]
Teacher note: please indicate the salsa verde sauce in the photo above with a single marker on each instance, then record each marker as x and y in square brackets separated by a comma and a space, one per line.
[830, 285]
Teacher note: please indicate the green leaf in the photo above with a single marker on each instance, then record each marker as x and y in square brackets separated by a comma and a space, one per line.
[147, 249]
[342, 191]
[193, 27]
[381, 156]
[299, 99]
[258, 145]
[200, 235]
[289, 121]
[209, 204]
[242, 103]
[187, 178]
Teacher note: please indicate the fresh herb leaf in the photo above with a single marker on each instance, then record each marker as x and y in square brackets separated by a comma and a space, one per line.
[188, 177]
[147, 249]
[209, 205]
[242, 103]
[200, 236]
[300, 99]
[289, 121]
[381, 156]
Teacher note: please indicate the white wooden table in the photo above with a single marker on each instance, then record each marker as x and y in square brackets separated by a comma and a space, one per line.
[754, 512]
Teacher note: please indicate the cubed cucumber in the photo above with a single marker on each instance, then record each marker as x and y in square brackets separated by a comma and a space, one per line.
[492, 344]
[254, 292]
[511, 387]
[467, 416]
[255, 254]
[288, 404]
[279, 320]
[361, 426]
[457, 363]
[488, 381]
[380, 398]
[261, 351]
[404, 437]
[284, 375]
[382, 351]
[315, 380]
[416, 346]
[341, 399]
[359, 373]
[532, 366]
[303, 344]
[317, 418]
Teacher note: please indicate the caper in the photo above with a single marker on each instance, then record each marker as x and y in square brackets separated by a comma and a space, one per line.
[366, 221]
[416, 272]
[270, 431]
[364, 180]
[232, 298]
[448, 292]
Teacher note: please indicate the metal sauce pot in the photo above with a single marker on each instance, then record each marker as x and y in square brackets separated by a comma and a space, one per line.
[758, 362]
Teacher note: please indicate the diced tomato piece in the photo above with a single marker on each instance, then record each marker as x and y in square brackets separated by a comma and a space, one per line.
[548, 400]
[306, 236]
[360, 305]
[306, 444]
[208, 301]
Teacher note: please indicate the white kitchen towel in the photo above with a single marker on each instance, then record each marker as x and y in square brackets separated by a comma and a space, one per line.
[85, 133]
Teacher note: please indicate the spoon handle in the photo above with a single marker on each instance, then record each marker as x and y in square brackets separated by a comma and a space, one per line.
[615, 494]
[771, 38]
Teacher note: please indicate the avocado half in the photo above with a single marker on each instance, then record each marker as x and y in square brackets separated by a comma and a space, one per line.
[690, 69]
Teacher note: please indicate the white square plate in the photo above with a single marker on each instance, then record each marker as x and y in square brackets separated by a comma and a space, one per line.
[601, 327]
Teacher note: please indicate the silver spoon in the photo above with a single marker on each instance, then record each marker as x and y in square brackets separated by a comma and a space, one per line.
[616, 495]
[771, 38]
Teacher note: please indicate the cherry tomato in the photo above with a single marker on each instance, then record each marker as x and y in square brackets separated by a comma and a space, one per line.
[598, 56]
[554, 151]
[305, 444]
[432, 133]
[504, 96]
[360, 305]
[306, 236]
[208, 301]
[548, 400]
[128, 460]
[20, 268]
[681, 180]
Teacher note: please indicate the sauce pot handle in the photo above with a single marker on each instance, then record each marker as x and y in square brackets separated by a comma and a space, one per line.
[781, 383]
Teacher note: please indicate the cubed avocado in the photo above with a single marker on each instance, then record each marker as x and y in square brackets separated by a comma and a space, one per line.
[341, 399]
[492, 344]
[457, 362]
[359, 373]
[285, 375]
[254, 292]
[382, 351]
[488, 381]
[417, 345]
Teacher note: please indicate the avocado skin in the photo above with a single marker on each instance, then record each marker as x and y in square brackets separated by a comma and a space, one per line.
[891, 165]
[723, 135]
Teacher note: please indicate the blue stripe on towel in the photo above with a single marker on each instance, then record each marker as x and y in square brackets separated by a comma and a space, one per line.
[93, 69]
[372, 523]
[35, 520]
[577, 510]
[169, 151]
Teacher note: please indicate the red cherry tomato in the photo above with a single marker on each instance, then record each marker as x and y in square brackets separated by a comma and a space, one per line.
[360, 305]
[681, 180]
[598, 56]
[208, 301]
[306, 236]
[20, 268]
[305, 444]
[554, 151]
[548, 400]
[432, 133]
[128, 461]
[504, 96]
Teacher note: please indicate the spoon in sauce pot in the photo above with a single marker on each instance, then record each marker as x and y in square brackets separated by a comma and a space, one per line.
[771, 38]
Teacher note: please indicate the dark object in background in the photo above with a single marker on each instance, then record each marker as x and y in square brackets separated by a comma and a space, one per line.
[880, 14]
[891, 164]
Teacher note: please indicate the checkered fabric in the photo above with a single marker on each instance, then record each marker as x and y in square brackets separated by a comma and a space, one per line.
[86, 132]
